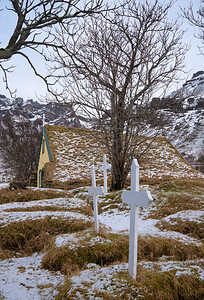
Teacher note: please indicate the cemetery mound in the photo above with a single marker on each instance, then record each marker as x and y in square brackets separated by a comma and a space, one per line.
[50, 250]
[74, 150]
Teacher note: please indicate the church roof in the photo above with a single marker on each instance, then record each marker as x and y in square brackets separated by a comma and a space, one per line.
[73, 151]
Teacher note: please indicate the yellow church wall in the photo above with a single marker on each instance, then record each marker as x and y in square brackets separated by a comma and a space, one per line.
[44, 158]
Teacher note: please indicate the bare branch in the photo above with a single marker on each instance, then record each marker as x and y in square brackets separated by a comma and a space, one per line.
[35, 16]
[110, 69]
[196, 19]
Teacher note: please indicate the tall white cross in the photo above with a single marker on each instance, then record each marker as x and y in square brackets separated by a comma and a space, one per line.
[95, 191]
[43, 120]
[135, 199]
[104, 168]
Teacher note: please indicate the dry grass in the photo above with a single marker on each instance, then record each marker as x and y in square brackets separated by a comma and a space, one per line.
[7, 196]
[67, 259]
[111, 201]
[67, 185]
[153, 248]
[190, 228]
[173, 203]
[27, 237]
[86, 209]
[164, 286]
[149, 285]
[181, 185]
[37, 208]
[175, 196]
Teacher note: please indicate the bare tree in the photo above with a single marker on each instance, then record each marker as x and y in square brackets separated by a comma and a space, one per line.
[35, 22]
[196, 19]
[19, 147]
[111, 69]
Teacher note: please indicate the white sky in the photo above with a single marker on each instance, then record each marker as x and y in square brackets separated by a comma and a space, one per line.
[28, 85]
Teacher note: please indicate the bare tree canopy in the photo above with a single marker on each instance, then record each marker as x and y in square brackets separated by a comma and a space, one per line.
[19, 147]
[111, 69]
[33, 17]
[196, 19]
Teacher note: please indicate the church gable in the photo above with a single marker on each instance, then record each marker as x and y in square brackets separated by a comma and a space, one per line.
[44, 157]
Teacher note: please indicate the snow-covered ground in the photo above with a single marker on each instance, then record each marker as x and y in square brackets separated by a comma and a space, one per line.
[3, 185]
[24, 278]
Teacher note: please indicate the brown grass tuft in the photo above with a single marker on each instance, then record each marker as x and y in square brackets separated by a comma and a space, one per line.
[149, 285]
[174, 196]
[165, 286]
[152, 248]
[7, 196]
[191, 228]
[86, 210]
[66, 259]
[27, 237]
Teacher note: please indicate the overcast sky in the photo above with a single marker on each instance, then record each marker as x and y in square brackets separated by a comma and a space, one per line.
[28, 85]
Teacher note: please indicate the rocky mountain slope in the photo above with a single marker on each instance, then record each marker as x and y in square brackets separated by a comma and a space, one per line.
[184, 110]
[55, 113]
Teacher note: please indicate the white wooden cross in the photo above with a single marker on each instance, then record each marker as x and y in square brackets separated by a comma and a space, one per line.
[95, 191]
[135, 199]
[104, 168]
[43, 120]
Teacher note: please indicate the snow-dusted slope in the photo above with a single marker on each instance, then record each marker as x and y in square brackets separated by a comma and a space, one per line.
[185, 110]
[55, 113]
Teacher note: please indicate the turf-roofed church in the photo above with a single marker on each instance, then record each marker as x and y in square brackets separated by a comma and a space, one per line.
[44, 156]
[67, 153]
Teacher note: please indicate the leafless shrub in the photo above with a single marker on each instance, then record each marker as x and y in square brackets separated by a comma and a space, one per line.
[19, 146]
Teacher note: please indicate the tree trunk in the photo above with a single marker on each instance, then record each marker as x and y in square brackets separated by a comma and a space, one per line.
[118, 178]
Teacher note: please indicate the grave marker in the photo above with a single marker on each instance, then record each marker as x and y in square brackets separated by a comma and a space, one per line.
[135, 198]
[104, 168]
[43, 120]
[95, 191]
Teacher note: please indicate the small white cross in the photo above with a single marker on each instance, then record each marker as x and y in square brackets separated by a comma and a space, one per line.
[95, 191]
[104, 168]
[135, 199]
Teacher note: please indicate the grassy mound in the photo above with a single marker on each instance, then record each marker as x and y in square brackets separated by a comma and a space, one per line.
[149, 285]
[174, 196]
[190, 228]
[7, 196]
[154, 285]
[29, 236]
[66, 258]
